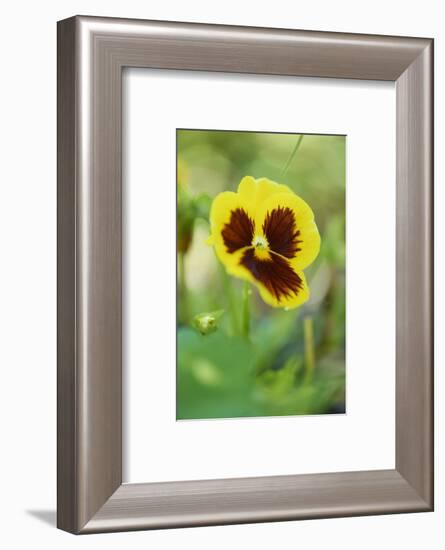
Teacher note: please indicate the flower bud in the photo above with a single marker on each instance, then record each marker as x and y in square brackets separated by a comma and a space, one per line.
[206, 323]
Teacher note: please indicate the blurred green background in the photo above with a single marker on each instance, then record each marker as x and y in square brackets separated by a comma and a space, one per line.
[292, 362]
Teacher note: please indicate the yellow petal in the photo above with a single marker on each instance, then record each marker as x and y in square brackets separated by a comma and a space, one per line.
[255, 191]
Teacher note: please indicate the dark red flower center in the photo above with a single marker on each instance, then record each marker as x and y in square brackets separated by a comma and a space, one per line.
[281, 232]
[238, 233]
[273, 270]
[275, 273]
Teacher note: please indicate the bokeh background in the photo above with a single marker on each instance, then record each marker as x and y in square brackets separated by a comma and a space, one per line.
[292, 362]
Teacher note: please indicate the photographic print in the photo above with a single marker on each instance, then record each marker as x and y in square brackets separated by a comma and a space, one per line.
[260, 274]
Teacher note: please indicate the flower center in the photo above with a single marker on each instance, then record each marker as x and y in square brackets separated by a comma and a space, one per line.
[260, 242]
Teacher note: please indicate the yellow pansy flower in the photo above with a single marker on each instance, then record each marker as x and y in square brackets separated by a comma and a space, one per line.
[266, 234]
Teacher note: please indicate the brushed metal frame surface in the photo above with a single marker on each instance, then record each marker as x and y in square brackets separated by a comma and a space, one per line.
[92, 53]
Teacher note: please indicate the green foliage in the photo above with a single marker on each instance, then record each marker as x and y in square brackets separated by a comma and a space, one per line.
[190, 209]
[219, 378]
[211, 384]
[223, 370]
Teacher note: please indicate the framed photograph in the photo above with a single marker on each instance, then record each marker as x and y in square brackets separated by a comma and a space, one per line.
[245, 320]
[248, 350]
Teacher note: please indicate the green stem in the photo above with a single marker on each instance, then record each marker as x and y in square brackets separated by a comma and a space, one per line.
[327, 338]
[245, 315]
[292, 155]
[228, 288]
[309, 353]
[183, 312]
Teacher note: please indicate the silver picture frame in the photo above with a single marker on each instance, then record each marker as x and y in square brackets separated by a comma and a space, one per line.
[92, 53]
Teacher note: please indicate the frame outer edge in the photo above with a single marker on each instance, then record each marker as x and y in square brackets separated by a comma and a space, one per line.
[67, 479]
[89, 442]
[414, 291]
[248, 500]
[254, 50]
[99, 272]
